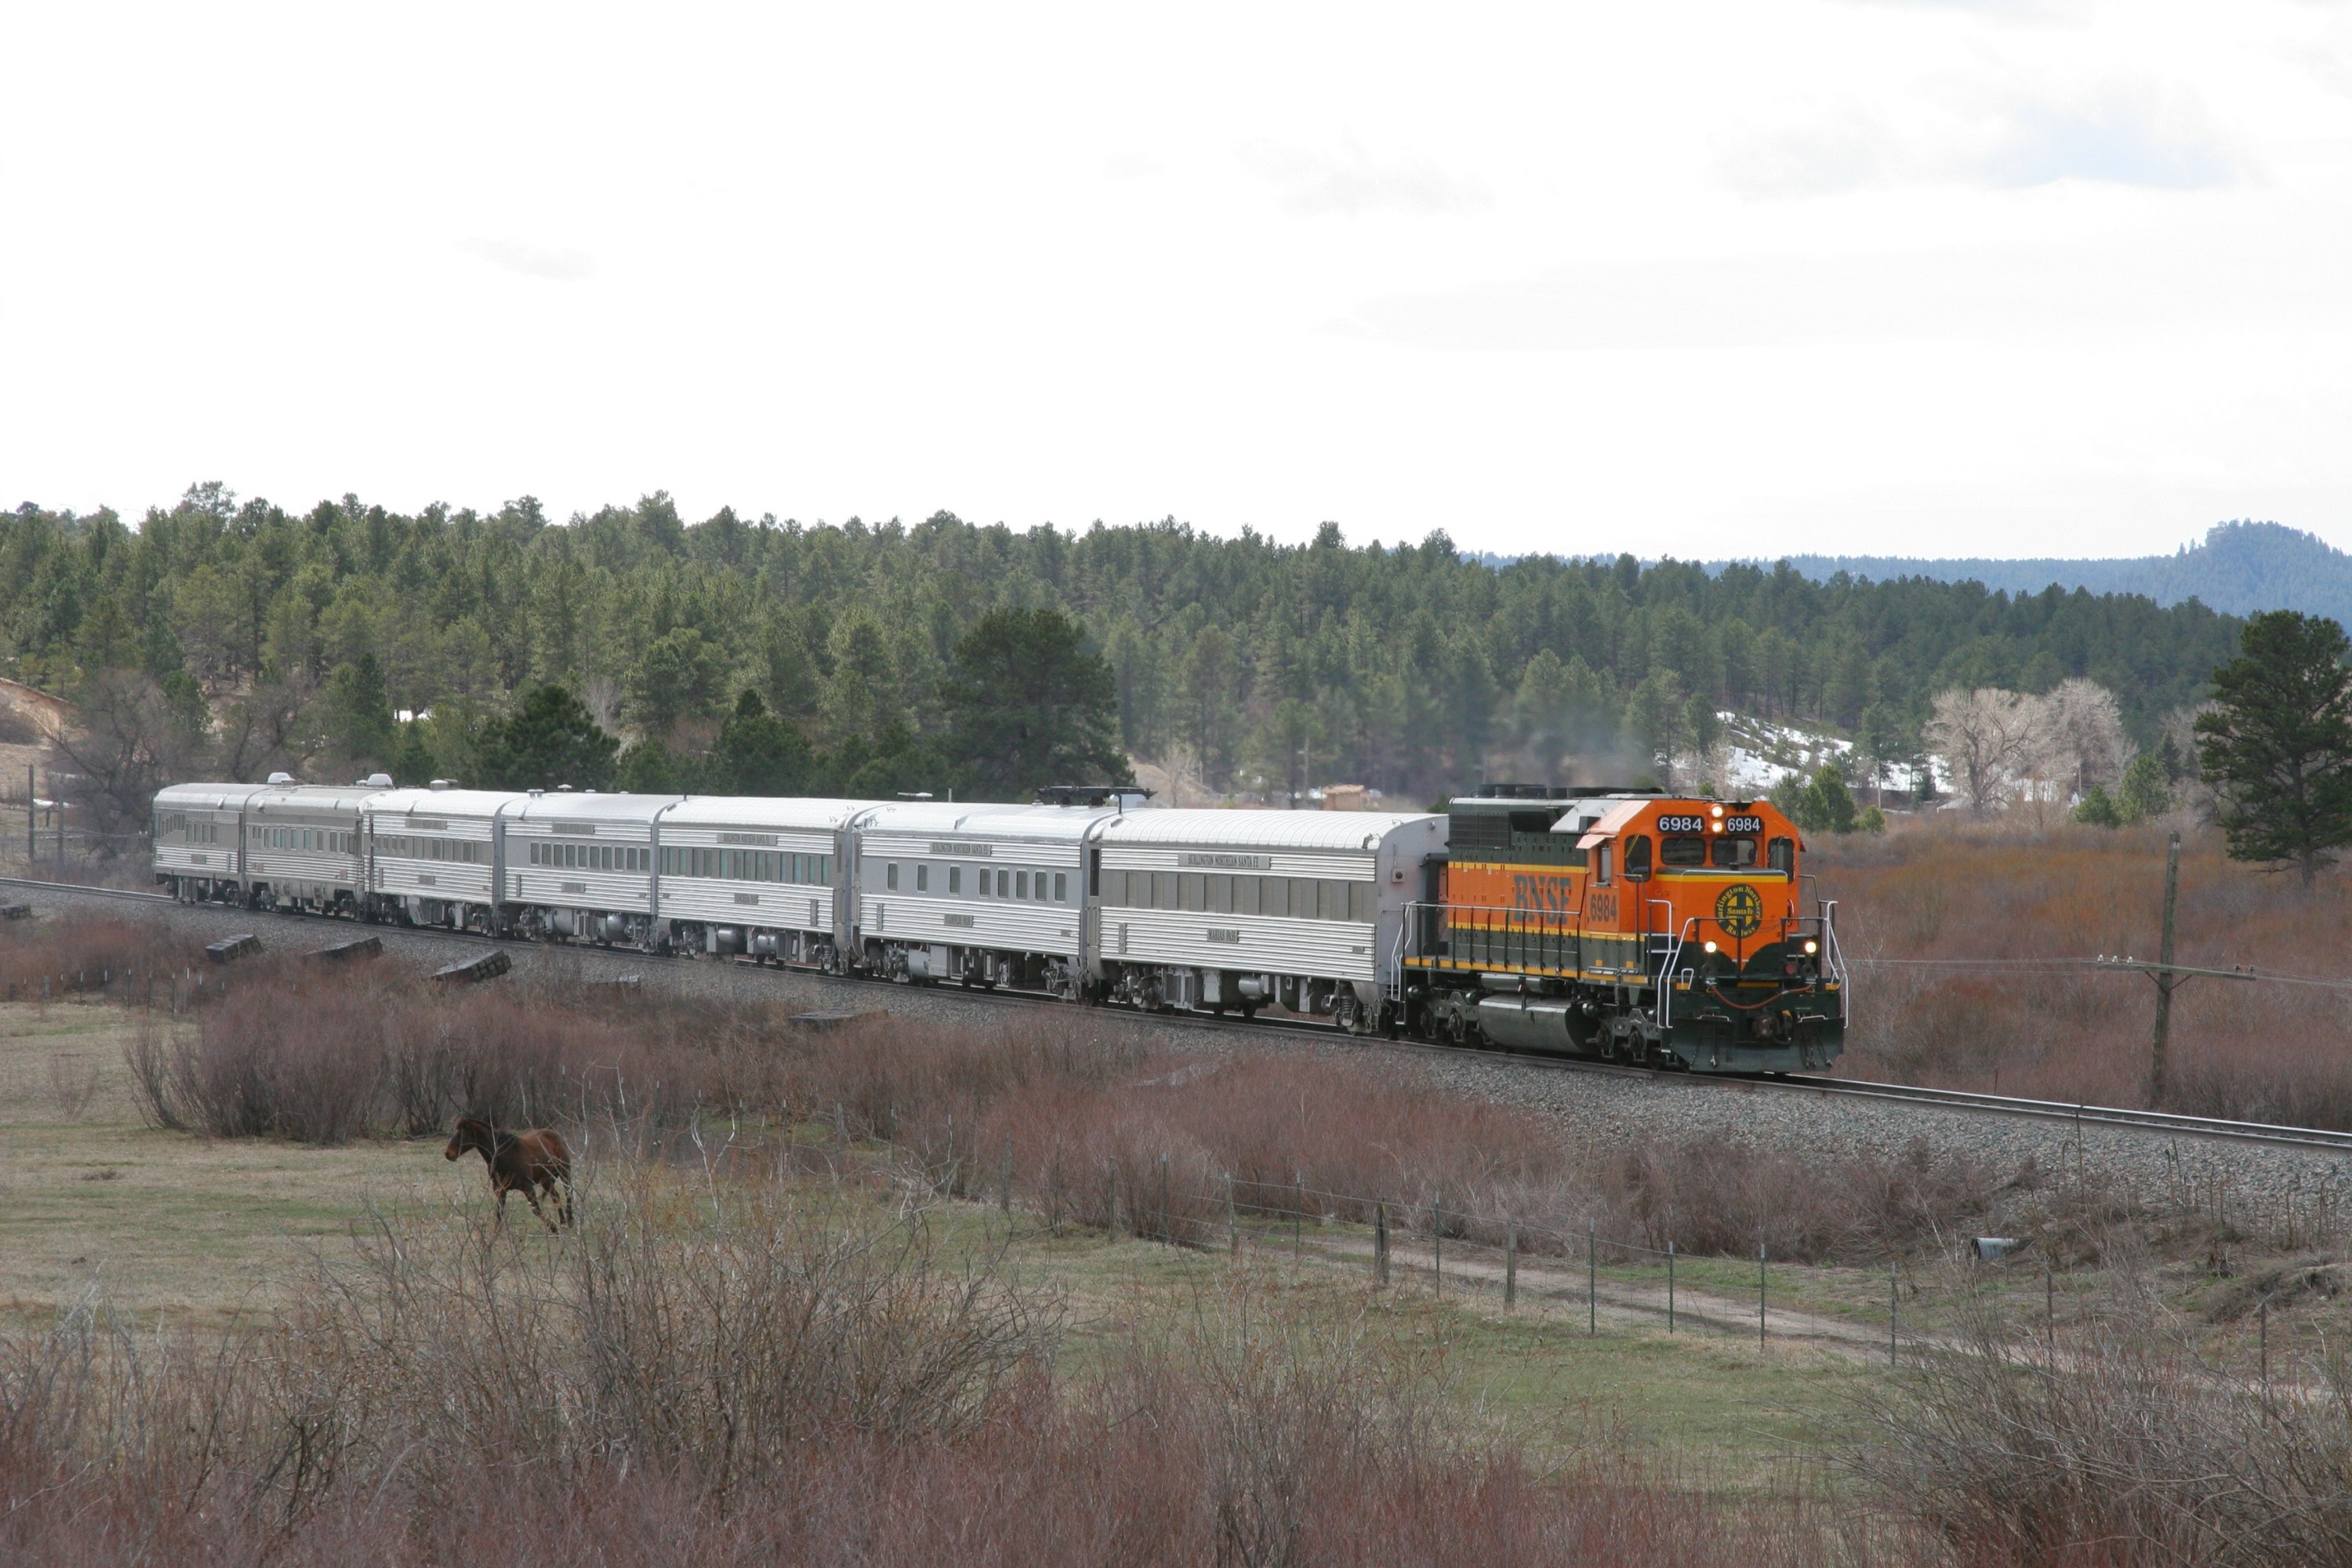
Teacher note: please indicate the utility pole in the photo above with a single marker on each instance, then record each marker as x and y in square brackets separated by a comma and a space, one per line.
[2169, 977]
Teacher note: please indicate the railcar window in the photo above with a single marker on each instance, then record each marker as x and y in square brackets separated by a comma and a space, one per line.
[1734, 854]
[1020, 884]
[1111, 887]
[1363, 902]
[922, 878]
[1783, 855]
[891, 875]
[1221, 894]
[1163, 889]
[955, 878]
[1602, 854]
[1678, 851]
[1037, 885]
[1248, 895]
[1195, 888]
[1637, 856]
[1061, 887]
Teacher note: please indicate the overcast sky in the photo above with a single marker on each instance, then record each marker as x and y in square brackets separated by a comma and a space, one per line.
[1698, 280]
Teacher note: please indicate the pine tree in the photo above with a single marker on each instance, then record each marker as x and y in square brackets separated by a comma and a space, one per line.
[2277, 748]
[548, 742]
[759, 754]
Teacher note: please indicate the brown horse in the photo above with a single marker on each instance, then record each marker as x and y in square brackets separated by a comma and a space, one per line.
[532, 1160]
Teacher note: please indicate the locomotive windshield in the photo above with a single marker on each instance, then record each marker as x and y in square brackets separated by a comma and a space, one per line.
[1735, 854]
[1683, 849]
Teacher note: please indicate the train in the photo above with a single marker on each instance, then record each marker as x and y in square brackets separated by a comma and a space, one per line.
[1623, 924]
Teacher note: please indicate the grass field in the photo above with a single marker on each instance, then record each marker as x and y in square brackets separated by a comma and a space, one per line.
[200, 1229]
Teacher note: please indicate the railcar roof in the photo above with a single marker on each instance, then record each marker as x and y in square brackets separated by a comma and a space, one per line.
[764, 811]
[314, 797]
[1057, 824]
[207, 797]
[584, 807]
[1354, 830]
[445, 802]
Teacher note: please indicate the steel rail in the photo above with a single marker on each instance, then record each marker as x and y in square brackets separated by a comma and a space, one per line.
[2118, 1118]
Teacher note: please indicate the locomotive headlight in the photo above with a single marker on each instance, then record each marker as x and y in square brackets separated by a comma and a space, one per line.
[1813, 947]
[1710, 947]
[1719, 827]
[1718, 811]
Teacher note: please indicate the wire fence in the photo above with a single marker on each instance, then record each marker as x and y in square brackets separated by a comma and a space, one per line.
[1614, 1283]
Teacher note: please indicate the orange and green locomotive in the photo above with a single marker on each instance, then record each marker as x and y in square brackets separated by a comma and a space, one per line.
[1627, 925]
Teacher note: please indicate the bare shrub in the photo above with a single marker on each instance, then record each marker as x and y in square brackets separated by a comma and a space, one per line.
[1968, 941]
[2113, 1445]
[73, 1084]
[761, 1374]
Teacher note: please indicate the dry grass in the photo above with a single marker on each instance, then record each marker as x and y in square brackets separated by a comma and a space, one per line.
[2265, 1052]
[752, 1368]
[2113, 1442]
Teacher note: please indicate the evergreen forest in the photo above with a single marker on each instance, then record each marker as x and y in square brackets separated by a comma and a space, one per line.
[239, 636]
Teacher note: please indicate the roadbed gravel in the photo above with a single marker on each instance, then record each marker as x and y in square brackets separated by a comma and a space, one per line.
[1593, 1111]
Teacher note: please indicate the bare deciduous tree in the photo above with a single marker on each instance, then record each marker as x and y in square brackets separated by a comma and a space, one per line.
[1986, 736]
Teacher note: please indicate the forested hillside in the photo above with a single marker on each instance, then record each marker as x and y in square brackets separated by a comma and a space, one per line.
[263, 637]
[2239, 568]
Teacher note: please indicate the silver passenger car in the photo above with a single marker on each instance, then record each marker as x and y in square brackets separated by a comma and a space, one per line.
[199, 840]
[305, 845]
[432, 856]
[582, 865]
[986, 895]
[1244, 910]
[758, 877]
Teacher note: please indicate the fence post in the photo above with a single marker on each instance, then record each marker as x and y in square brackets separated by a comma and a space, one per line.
[1437, 1239]
[1591, 1277]
[1297, 1211]
[1759, 1294]
[1165, 1234]
[1670, 1284]
[1893, 1304]
[2266, 1356]
[1510, 1264]
[1380, 1242]
[1232, 1220]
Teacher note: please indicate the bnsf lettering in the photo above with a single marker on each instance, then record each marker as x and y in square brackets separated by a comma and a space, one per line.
[1555, 894]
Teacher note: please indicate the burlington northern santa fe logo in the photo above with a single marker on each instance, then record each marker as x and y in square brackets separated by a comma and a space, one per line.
[1739, 910]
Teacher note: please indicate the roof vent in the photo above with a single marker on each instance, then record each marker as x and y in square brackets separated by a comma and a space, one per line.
[563, 789]
[536, 792]
[1120, 796]
[281, 778]
[441, 784]
[377, 780]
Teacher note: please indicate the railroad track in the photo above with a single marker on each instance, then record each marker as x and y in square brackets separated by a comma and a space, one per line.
[2154, 1122]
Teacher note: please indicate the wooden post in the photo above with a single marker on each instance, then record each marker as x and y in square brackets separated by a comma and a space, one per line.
[1297, 1212]
[1437, 1241]
[2164, 978]
[2266, 1332]
[1670, 1284]
[1510, 1264]
[1759, 1294]
[1893, 1304]
[1381, 1242]
[1165, 1234]
[1591, 1277]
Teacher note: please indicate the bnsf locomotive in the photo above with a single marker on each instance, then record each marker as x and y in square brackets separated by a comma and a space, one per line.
[1630, 926]
[1633, 927]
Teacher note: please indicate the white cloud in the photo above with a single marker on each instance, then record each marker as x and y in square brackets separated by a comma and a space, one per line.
[1350, 181]
[2125, 131]
[553, 264]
